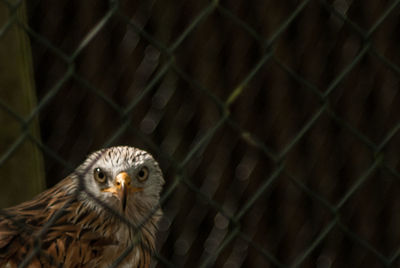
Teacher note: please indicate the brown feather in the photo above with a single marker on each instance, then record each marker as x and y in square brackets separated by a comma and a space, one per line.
[66, 237]
[60, 228]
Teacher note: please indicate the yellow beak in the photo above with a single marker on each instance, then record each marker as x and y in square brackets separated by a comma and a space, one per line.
[122, 187]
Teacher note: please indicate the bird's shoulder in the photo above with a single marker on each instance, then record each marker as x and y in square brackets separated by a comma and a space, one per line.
[56, 222]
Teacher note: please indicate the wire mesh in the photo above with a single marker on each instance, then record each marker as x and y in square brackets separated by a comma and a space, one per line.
[276, 123]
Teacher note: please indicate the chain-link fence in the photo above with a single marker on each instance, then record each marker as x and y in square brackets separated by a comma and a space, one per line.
[275, 122]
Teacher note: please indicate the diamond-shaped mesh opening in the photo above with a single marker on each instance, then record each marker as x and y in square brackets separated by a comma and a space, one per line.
[291, 223]
[379, 187]
[276, 124]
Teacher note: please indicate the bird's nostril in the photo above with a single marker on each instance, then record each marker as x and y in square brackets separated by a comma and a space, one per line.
[86, 226]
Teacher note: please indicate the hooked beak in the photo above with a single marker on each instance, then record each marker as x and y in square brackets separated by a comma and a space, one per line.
[122, 187]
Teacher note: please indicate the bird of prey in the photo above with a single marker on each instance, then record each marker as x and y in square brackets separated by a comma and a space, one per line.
[105, 213]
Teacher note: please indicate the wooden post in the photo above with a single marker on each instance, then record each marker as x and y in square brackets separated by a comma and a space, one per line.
[22, 171]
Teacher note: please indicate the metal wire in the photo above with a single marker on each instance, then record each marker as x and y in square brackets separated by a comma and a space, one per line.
[207, 194]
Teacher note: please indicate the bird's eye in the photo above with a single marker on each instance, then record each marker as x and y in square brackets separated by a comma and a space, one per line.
[143, 174]
[99, 175]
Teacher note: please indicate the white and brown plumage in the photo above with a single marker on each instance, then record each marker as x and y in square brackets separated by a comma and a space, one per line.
[69, 225]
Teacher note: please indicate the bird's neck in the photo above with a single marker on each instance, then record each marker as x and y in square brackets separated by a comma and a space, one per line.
[143, 224]
[137, 238]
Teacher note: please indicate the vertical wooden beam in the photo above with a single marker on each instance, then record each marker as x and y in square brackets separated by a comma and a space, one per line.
[21, 163]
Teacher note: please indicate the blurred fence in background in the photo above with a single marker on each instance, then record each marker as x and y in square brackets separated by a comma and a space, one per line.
[276, 123]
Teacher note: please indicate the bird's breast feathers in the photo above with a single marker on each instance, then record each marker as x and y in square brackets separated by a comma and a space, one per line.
[66, 226]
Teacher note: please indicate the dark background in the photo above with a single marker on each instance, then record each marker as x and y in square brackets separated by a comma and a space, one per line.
[300, 169]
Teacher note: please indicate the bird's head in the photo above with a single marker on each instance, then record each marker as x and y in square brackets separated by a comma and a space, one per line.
[125, 178]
